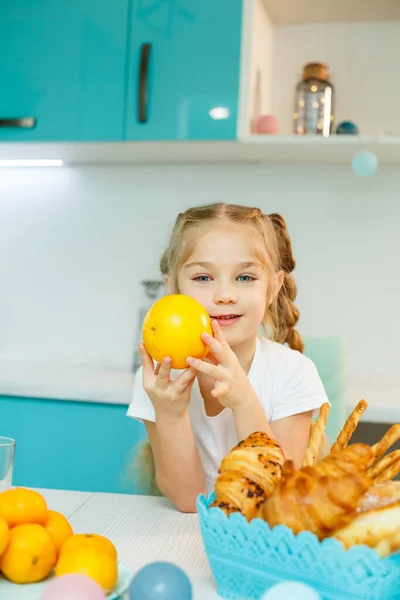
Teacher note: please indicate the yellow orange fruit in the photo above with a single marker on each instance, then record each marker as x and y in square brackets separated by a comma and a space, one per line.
[90, 540]
[173, 327]
[20, 505]
[4, 536]
[59, 528]
[91, 562]
[30, 555]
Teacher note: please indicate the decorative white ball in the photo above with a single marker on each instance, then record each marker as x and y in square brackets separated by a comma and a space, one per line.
[291, 590]
[365, 163]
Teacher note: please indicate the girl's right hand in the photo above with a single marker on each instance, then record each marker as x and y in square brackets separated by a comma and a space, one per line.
[169, 397]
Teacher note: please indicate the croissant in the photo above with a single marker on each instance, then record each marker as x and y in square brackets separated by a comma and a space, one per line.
[321, 498]
[248, 474]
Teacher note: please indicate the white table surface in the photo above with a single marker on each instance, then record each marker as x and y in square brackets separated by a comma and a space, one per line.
[143, 528]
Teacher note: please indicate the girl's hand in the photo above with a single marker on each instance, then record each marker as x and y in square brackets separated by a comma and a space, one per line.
[169, 397]
[232, 386]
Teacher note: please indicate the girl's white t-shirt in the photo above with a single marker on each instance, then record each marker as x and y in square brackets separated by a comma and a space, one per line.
[286, 383]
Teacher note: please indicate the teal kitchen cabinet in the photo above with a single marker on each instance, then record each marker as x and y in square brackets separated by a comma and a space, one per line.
[70, 445]
[62, 70]
[183, 76]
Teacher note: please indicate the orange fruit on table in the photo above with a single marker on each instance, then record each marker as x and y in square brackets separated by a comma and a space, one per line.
[59, 528]
[20, 505]
[4, 535]
[91, 562]
[90, 540]
[173, 327]
[30, 555]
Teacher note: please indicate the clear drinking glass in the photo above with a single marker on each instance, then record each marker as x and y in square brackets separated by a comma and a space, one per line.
[7, 451]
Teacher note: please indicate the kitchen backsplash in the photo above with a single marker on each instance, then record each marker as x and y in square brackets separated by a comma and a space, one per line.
[76, 242]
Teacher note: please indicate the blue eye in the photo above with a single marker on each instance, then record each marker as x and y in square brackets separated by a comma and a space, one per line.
[202, 278]
[246, 278]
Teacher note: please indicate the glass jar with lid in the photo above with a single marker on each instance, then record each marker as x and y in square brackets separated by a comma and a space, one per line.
[313, 112]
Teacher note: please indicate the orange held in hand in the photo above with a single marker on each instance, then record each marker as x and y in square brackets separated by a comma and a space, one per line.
[20, 505]
[173, 327]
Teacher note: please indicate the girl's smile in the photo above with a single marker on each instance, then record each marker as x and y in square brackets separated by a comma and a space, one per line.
[226, 320]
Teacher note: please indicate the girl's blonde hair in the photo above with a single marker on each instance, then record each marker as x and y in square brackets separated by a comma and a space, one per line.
[275, 253]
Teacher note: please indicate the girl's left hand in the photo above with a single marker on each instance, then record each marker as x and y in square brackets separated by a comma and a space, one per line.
[232, 386]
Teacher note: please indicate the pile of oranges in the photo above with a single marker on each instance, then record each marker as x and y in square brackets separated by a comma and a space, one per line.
[34, 541]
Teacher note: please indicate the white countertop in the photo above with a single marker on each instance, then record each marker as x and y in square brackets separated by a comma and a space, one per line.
[111, 386]
[382, 394]
[65, 382]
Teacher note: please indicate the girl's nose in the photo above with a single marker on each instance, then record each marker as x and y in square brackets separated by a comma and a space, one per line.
[225, 295]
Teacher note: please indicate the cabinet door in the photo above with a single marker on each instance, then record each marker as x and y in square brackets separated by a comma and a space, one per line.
[184, 69]
[62, 68]
[71, 445]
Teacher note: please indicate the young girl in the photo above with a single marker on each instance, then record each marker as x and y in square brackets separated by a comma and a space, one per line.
[237, 262]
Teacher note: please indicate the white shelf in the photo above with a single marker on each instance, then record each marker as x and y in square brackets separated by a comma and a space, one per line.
[253, 149]
[335, 150]
[127, 152]
[331, 11]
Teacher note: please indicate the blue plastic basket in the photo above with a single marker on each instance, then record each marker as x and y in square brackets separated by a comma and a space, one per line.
[247, 559]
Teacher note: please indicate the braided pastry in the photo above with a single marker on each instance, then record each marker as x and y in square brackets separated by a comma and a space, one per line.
[248, 474]
[321, 498]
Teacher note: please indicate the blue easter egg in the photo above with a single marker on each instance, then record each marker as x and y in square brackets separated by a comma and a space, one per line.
[291, 589]
[365, 163]
[160, 581]
[347, 128]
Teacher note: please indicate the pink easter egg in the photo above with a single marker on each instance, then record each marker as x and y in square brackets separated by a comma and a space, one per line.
[73, 587]
[267, 124]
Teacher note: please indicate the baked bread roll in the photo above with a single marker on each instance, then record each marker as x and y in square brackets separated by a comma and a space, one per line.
[378, 528]
[379, 496]
[248, 474]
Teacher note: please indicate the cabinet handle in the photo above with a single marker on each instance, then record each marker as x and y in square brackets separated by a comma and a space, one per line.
[18, 123]
[143, 95]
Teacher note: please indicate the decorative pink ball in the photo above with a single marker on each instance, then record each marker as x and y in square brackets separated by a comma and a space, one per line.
[267, 124]
[73, 587]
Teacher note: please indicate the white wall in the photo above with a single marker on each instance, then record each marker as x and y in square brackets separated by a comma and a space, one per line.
[75, 243]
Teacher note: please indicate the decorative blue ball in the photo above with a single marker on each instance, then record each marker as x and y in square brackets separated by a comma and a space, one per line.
[365, 163]
[347, 128]
[291, 589]
[160, 581]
